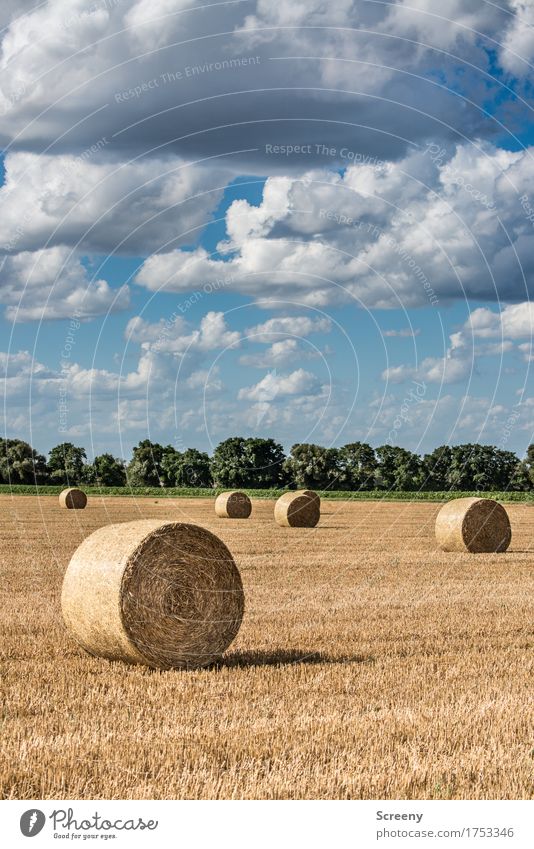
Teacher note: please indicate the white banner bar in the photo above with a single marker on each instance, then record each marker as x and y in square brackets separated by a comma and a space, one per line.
[279, 824]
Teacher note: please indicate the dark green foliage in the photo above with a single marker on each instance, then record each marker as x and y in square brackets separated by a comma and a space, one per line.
[260, 465]
[165, 459]
[106, 470]
[313, 467]
[228, 463]
[521, 481]
[472, 467]
[357, 466]
[399, 469]
[145, 468]
[528, 464]
[190, 468]
[437, 467]
[20, 464]
[66, 464]
[239, 462]
[265, 463]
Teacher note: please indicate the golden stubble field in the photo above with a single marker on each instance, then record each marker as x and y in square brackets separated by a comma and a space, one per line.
[369, 665]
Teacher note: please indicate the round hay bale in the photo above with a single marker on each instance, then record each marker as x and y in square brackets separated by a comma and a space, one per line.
[233, 505]
[297, 510]
[164, 594]
[72, 498]
[311, 494]
[473, 524]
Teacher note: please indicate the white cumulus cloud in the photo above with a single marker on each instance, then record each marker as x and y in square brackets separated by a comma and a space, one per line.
[102, 206]
[426, 230]
[274, 385]
[50, 284]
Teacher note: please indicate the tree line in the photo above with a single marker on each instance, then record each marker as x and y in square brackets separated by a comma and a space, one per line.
[255, 463]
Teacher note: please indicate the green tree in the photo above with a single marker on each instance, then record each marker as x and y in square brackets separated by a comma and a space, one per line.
[357, 466]
[521, 481]
[481, 467]
[313, 467]
[20, 463]
[399, 469]
[252, 463]
[264, 463]
[437, 469]
[528, 464]
[66, 464]
[228, 464]
[190, 468]
[169, 459]
[145, 467]
[108, 471]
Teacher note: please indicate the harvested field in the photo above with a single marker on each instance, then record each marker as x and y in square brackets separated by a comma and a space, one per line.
[369, 665]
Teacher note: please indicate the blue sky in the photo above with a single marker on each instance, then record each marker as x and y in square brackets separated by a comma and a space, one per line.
[280, 240]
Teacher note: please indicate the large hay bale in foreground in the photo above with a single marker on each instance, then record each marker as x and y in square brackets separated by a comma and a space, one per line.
[72, 498]
[473, 524]
[297, 510]
[233, 505]
[163, 594]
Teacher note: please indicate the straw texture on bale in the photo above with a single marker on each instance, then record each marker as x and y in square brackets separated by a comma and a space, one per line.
[162, 594]
[73, 499]
[233, 505]
[311, 494]
[477, 525]
[297, 510]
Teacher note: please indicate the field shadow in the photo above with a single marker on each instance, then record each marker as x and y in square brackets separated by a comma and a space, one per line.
[281, 657]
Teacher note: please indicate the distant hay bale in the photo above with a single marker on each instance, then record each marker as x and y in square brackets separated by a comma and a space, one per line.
[164, 594]
[233, 505]
[73, 499]
[476, 525]
[297, 510]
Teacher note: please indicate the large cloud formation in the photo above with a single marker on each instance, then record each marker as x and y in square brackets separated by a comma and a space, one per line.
[390, 135]
[97, 205]
[125, 119]
[166, 75]
[52, 284]
[436, 226]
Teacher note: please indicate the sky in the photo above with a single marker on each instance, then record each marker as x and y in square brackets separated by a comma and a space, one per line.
[306, 221]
